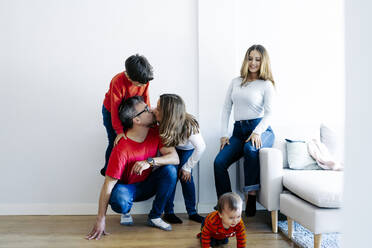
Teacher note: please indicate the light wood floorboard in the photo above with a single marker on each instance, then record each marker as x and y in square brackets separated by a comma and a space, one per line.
[69, 231]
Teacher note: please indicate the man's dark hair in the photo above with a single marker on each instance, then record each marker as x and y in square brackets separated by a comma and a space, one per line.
[127, 110]
[138, 69]
[231, 201]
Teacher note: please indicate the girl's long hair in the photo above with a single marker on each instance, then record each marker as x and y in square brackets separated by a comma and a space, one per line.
[265, 68]
[176, 125]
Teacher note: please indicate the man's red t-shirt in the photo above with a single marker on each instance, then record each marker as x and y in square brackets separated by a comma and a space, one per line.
[127, 152]
[121, 88]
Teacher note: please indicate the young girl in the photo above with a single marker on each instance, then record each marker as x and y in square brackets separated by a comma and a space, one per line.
[134, 81]
[180, 129]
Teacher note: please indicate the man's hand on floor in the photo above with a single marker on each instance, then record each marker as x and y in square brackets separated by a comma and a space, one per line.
[98, 230]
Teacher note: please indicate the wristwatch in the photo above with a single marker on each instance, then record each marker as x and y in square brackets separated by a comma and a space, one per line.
[151, 161]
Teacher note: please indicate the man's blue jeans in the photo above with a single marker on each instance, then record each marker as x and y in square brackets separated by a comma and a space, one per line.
[188, 188]
[111, 135]
[237, 149]
[160, 183]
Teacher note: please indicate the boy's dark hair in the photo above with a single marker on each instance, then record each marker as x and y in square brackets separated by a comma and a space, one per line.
[127, 110]
[138, 69]
[231, 201]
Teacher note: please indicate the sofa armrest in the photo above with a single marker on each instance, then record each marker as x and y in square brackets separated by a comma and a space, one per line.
[271, 174]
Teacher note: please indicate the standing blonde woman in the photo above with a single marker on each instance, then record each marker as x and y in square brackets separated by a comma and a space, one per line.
[180, 129]
[251, 94]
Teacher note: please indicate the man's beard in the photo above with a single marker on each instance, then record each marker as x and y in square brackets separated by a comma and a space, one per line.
[154, 122]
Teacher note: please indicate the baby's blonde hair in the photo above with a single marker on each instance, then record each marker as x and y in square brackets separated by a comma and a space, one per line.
[231, 201]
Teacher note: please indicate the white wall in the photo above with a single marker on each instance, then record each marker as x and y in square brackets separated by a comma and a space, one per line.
[358, 170]
[57, 60]
[58, 57]
[216, 67]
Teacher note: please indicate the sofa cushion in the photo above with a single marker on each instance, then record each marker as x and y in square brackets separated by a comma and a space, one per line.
[298, 156]
[333, 138]
[299, 131]
[322, 188]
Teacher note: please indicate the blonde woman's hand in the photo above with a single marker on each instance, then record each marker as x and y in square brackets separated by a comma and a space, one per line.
[224, 141]
[255, 139]
[185, 176]
[118, 137]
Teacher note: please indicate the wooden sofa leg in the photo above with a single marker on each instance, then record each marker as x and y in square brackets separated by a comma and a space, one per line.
[317, 240]
[290, 227]
[274, 221]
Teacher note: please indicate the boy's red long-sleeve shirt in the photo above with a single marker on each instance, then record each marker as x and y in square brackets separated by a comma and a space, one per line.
[213, 228]
[121, 88]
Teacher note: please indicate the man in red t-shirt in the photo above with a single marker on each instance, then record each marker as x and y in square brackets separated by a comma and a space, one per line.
[130, 176]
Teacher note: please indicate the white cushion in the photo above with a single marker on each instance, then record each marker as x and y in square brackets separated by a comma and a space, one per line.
[322, 188]
[317, 220]
[333, 139]
[294, 132]
[298, 156]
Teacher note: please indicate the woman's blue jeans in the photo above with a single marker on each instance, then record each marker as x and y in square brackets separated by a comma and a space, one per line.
[160, 183]
[188, 188]
[237, 149]
[111, 134]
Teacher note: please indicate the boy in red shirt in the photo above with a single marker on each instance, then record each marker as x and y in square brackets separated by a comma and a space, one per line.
[224, 223]
[134, 81]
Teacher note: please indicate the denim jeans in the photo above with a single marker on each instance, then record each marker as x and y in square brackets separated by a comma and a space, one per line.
[188, 188]
[237, 149]
[111, 134]
[160, 183]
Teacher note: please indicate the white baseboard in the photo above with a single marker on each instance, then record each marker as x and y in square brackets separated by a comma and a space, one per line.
[208, 207]
[49, 209]
[205, 208]
[76, 209]
[92, 208]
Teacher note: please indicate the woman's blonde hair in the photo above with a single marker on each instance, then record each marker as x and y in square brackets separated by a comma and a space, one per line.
[176, 125]
[265, 68]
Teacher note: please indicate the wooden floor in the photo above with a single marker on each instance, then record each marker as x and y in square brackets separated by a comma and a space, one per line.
[69, 231]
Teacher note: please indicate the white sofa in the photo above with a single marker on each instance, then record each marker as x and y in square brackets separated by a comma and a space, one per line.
[310, 197]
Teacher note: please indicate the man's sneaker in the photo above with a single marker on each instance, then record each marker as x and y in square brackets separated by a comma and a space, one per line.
[159, 223]
[126, 219]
